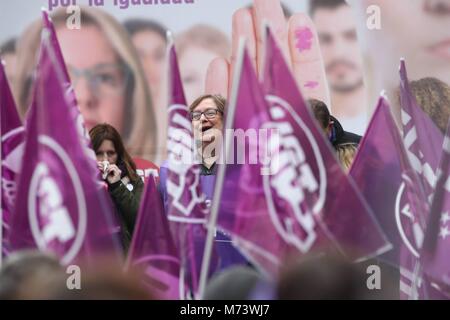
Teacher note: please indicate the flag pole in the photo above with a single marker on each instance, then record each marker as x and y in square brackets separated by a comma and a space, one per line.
[211, 225]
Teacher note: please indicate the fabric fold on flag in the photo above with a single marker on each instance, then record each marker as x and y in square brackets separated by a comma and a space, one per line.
[383, 173]
[153, 249]
[422, 138]
[435, 253]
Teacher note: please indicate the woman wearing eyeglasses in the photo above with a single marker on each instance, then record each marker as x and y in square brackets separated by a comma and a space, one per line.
[207, 116]
[207, 121]
[119, 172]
[105, 72]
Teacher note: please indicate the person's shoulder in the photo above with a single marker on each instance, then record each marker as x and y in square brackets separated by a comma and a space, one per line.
[348, 138]
[352, 137]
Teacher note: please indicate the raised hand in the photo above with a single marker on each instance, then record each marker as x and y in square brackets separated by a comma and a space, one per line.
[297, 39]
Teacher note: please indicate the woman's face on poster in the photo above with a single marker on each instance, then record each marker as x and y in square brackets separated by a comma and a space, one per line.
[151, 48]
[98, 77]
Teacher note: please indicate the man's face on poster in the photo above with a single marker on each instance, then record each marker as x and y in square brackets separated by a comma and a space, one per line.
[339, 44]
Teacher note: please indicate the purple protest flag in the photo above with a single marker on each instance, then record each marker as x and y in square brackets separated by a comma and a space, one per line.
[239, 207]
[152, 248]
[423, 140]
[12, 147]
[269, 199]
[383, 173]
[187, 208]
[66, 83]
[423, 143]
[436, 247]
[48, 24]
[69, 90]
[60, 207]
[324, 191]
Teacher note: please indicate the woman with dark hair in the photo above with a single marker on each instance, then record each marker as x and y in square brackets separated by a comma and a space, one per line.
[119, 171]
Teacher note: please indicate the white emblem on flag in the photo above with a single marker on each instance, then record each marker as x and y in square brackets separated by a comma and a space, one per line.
[49, 217]
[184, 178]
[293, 181]
[409, 225]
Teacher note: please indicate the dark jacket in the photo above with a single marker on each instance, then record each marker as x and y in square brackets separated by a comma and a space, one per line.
[127, 205]
[339, 136]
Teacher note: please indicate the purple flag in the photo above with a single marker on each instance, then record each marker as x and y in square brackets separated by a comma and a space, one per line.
[392, 188]
[66, 83]
[187, 208]
[423, 140]
[295, 198]
[12, 151]
[336, 201]
[48, 24]
[153, 249]
[243, 211]
[69, 91]
[436, 248]
[60, 207]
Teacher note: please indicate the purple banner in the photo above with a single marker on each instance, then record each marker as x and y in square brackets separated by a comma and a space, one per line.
[187, 208]
[422, 138]
[153, 249]
[60, 207]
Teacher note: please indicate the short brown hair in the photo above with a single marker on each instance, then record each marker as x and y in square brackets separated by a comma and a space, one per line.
[320, 112]
[433, 96]
[219, 101]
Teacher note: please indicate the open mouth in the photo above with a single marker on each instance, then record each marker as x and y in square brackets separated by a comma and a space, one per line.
[205, 128]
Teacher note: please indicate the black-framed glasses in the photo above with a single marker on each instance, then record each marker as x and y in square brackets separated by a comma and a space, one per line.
[104, 79]
[209, 114]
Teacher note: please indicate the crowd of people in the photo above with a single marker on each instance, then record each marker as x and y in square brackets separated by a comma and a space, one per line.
[119, 80]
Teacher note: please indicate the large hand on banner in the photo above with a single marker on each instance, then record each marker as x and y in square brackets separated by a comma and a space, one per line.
[297, 38]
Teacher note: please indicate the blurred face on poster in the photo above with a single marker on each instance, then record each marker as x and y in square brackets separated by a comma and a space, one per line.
[105, 72]
[149, 39]
[98, 77]
[340, 49]
[151, 47]
[196, 48]
[417, 30]
[192, 62]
